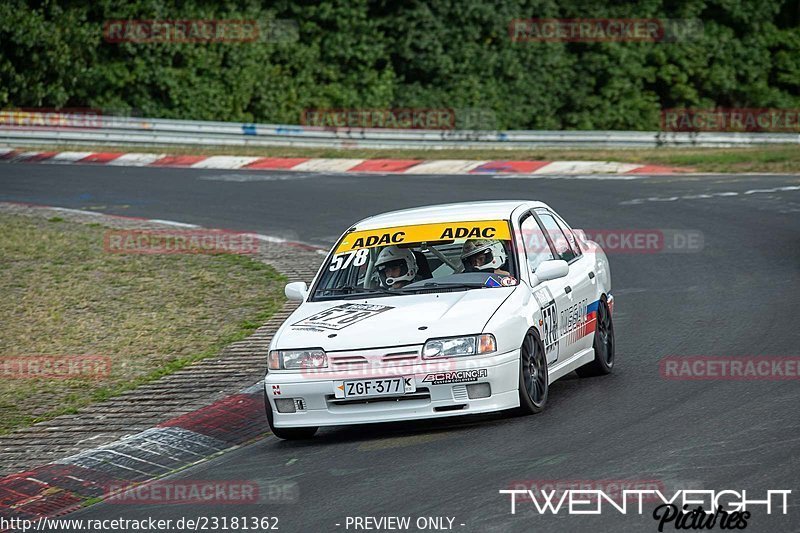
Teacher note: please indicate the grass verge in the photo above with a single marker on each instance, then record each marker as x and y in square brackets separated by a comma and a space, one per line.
[150, 315]
[774, 158]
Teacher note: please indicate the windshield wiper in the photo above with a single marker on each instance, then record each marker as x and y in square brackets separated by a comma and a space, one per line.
[351, 289]
[435, 285]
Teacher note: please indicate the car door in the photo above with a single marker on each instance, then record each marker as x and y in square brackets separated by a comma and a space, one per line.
[550, 295]
[579, 287]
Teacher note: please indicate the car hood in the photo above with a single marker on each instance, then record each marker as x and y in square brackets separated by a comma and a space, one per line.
[390, 320]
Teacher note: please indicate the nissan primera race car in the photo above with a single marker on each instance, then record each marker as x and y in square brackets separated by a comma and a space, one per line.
[439, 311]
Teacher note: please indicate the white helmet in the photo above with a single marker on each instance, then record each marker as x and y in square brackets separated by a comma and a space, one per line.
[493, 251]
[394, 256]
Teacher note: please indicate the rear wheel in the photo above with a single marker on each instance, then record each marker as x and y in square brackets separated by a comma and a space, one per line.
[533, 379]
[603, 345]
[286, 433]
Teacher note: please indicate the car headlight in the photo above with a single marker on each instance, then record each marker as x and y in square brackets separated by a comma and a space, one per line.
[297, 359]
[459, 346]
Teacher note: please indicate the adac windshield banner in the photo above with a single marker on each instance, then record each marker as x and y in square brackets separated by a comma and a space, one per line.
[444, 231]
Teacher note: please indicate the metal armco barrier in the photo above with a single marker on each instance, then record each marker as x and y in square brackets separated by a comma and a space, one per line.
[128, 131]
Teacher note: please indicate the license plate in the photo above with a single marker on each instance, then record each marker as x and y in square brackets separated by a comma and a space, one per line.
[365, 388]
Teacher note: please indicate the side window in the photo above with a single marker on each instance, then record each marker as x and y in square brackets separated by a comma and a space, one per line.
[573, 241]
[560, 242]
[534, 243]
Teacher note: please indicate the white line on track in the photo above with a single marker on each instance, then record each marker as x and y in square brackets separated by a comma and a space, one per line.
[725, 194]
[596, 177]
[242, 178]
[259, 236]
[173, 223]
[77, 211]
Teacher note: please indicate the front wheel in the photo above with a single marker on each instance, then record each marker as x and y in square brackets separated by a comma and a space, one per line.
[286, 433]
[603, 345]
[533, 379]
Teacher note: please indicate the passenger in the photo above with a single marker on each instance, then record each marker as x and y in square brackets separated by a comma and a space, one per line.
[484, 255]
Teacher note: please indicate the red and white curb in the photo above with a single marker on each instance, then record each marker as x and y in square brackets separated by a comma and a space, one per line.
[365, 166]
[68, 484]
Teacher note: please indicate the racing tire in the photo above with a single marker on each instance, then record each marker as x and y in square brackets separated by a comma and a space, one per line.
[534, 381]
[286, 433]
[603, 345]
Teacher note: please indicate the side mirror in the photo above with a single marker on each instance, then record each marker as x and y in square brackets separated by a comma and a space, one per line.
[297, 291]
[552, 269]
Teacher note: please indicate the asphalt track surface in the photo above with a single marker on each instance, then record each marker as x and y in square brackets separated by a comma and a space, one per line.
[736, 296]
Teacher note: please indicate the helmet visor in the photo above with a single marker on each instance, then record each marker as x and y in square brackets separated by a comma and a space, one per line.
[479, 259]
[392, 269]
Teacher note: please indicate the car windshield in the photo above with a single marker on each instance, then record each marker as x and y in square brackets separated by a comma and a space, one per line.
[414, 259]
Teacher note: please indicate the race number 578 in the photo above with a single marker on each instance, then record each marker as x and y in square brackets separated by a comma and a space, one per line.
[357, 258]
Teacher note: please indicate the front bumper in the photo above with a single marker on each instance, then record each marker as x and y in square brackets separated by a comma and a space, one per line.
[321, 408]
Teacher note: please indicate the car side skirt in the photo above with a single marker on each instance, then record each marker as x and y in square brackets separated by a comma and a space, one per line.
[562, 368]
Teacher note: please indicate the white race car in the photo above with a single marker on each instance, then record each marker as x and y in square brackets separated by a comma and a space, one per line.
[438, 311]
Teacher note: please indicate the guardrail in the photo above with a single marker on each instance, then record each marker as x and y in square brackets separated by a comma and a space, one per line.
[129, 131]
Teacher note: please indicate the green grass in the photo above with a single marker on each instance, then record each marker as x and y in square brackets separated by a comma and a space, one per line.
[775, 158]
[151, 315]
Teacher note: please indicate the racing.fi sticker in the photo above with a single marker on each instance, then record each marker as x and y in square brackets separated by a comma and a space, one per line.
[459, 376]
[341, 316]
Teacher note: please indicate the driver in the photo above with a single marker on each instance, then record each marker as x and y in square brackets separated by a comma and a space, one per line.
[484, 255]
[396, 267]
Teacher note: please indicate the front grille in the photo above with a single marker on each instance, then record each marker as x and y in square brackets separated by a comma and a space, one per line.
[373, 357]
[347, 360]
[460, 392]
[401, 356]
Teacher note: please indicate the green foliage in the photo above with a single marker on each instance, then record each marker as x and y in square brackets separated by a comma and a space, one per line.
[382, 53]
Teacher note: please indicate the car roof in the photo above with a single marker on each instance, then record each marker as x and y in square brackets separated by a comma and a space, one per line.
[464, 211]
